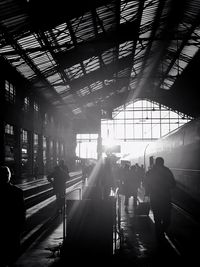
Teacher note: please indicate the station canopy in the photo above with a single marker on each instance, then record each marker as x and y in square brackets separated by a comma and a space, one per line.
[88, 57]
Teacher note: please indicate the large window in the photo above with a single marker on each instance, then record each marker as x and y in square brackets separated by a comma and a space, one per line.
[86, 145]
[9, 146]
[133, 126]
[36, 146]
[36, 109]
[26, 106]
[24, 152]
[141, 120]
[10, 92]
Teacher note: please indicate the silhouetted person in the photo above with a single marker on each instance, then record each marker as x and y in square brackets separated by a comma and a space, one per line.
[58, 180]
[127, 183]
[135, 182]
[85, 170]
[159, 182]
[12, 220]
[63, 166]
[106, 179]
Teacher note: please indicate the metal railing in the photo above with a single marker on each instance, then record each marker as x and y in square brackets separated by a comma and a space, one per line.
[64, 209]
[118, 231]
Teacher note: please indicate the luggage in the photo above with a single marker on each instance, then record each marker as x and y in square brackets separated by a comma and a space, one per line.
[143, 208]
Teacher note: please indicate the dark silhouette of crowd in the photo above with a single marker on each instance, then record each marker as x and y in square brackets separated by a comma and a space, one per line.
[13, 216]
[107, 180]
[156, 184]
[129, 182]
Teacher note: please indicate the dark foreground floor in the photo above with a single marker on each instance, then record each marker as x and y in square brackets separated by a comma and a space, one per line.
[138, 247]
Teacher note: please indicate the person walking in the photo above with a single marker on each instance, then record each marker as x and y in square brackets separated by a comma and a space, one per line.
[159, 182]
[13, 216]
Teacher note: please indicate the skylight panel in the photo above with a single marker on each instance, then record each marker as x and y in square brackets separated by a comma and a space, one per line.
[185, 57]
[60, 37]
[190, 50]
[123, 73]
[107, 56]
[91, 64]
[15, 21]
[107, 16]
[74, 72]
[22, 67]
[167, 84]
[83, 91]
[125, 49]
[148, 15]
[43, 60]
[25, 70]
[54, 78]
[6, 50]
[133, 84]
[61, 89]
[128, 10]
[96, 86]
[140, 49]
[29, 41]
[83, 27]
[136, 67]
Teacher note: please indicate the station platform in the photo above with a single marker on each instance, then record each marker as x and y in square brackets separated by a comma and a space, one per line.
[138, 247]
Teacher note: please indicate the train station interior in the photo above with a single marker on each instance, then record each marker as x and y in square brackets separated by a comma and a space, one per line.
[86, 81]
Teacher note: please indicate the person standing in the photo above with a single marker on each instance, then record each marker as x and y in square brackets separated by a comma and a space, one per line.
[105, 178]
[58, 180]
[127, 184]
[13, 215]
[63, 166]
[135, 183]
[159, 182]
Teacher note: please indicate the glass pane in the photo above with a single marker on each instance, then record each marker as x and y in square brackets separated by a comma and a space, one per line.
[129, 114]
[138, 131]
[147, 130]
[119, 131]
[129, 131]
[165, 129]
[137, 114]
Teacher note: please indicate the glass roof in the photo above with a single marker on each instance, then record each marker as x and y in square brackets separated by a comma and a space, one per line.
[133, 43]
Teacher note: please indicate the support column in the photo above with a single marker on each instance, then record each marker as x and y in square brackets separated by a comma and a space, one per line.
[99, 141]
[2, 125]
[40, 154]
[2, 141]
[30, 152]
[17, 153]
[99, 146]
